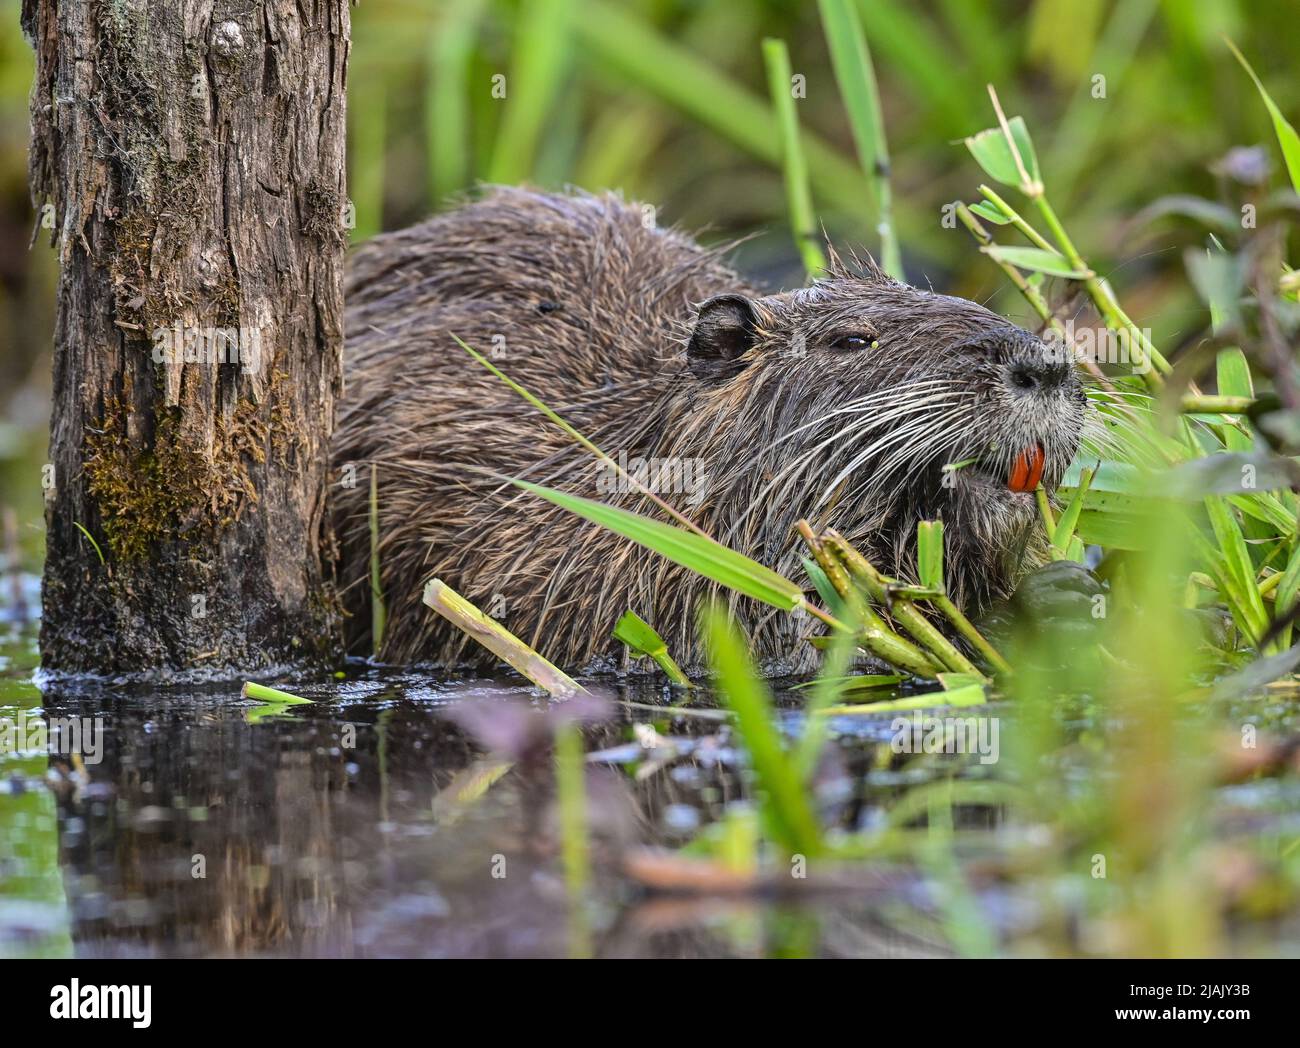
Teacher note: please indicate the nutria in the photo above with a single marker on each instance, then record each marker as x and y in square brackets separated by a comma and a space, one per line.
[841, 402]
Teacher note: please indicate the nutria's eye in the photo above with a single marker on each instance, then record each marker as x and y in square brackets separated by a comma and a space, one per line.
[854, 343]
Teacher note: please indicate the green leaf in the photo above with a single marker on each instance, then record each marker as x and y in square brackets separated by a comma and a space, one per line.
[1227, 473]
[854, 682]
[993, 153]
[1036, 260]
[641, 637]
[1287, 592]
[1218, 278]
[1286, 134]
[990, 213]
[1234, 569]
[273, 703]
[1255, 675]
[694, 552]
[1267, 507]
[1113, 530]
[825, 588]
[262, 693]
[1234, 381]
[1111, 476]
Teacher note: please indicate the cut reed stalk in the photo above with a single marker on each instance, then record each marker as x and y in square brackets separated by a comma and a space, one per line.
[873, 632]
[1212, 405]
[908, 615]
[262, 693]
[500, 641]
[967, 629]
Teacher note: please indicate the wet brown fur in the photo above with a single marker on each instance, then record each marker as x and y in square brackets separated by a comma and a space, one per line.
[779, 404]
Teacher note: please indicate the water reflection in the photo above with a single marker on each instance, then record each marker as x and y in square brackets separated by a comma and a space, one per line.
[367, 824]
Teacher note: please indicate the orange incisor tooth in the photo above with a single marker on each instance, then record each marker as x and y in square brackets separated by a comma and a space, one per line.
[1027, 470]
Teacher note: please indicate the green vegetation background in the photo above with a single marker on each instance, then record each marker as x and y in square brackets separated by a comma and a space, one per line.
[666, 100]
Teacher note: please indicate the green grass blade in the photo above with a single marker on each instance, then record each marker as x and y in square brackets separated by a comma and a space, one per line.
[695, 87]
[1287, 591]
[378, 610]
[575, 434]
[825, 588]
[541, 61]
[785, 801]
[831, 683]
[969, 695]
[575, 847]
[447, 104]
[856, 77]
[1069, 520]
[1236, 571]
[262, 693]
[694, 552]
[803, 223]
[1286, 134]
[1233, 372]
[908, 44]
[91, 539]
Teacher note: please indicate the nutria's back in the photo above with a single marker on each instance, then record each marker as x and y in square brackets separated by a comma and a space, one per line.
[841, 402]
[579, 298]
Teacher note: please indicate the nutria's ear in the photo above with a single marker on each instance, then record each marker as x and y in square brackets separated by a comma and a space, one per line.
[724, 330]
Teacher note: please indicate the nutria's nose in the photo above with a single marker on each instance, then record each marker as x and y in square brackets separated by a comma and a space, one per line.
[1027, 361]
[1034, 366]
[1043, 376]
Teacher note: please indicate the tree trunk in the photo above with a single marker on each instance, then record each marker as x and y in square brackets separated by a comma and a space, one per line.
[188, 157]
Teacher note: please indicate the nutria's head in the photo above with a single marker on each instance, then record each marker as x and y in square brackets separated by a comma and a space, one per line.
[866, 404]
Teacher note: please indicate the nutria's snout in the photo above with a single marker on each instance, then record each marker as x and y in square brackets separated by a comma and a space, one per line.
[1030, 414]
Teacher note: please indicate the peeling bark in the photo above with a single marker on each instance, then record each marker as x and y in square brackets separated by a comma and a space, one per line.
[188, 158]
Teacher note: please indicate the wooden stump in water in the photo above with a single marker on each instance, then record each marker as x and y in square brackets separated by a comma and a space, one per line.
[188, 162]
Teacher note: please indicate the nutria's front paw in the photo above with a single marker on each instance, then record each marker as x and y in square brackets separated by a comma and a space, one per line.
[1062, 590]
[1061, 598]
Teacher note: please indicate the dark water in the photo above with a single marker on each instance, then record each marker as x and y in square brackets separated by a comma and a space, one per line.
[202, 825]
[380, 820]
